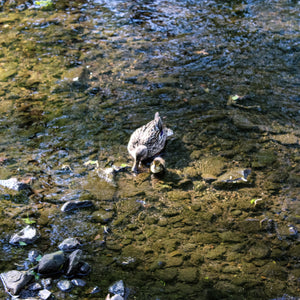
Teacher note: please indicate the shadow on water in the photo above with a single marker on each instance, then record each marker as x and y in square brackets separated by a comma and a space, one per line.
[78, 77]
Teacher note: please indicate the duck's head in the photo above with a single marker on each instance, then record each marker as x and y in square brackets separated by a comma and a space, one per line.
[140, 153]
[158, 165]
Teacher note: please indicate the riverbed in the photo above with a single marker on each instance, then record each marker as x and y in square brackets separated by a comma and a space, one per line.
[78, 77]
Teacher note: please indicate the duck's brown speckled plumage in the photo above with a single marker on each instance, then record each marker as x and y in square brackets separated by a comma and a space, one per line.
[147, 141]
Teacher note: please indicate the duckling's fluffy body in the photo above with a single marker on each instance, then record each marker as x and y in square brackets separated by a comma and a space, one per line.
[147, 141]
[158, 165]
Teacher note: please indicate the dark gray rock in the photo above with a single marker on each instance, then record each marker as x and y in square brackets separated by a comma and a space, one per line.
[69, 245]
[84, 269]
[117, 288]
[14, 281]
[51, 263]
[76, 204]
[65, 285]
[27, 235]
[74, 262]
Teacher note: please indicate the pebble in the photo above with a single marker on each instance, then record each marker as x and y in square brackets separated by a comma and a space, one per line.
[77, 204]
[46, 283]
[69, 245]
[35, 286]
[117, 288]
[44, 294]
[78, 282]
[33, 255]
[84, 269]
[64, 285]
[95, 290]
[293, 231]
[27, 235]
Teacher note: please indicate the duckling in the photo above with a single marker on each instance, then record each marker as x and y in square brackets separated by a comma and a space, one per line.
[158, 165]
[147, 141]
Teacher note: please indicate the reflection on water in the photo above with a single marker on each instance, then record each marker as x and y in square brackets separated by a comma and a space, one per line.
[75, 83]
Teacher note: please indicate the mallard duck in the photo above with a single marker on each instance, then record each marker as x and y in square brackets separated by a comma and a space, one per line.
[147, 141]
[158, 165]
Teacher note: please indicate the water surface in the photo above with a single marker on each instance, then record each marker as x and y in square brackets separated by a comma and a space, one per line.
[78, 78]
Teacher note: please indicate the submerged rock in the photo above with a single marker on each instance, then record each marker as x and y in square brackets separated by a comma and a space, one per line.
[27, 235]
[237, 176]
[14, 281]
[69, 244]
[108, 174]
[51, 263]
[77, 204]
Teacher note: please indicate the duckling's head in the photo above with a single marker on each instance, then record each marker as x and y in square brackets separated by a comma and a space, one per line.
[140, 153]
[158, 165]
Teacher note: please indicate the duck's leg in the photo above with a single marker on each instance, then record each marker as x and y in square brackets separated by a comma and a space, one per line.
[141, 153]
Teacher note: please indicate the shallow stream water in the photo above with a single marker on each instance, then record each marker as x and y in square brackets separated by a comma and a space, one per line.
[78, 77]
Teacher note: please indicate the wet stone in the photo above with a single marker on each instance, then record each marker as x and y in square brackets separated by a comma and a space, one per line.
[51, 263]
[158, 264]
[189, 275]
[28, 235]
[76, 204]
[259, 251]
[250, 225]
[14, 281]
[167, 275]
[234, 177]
[33, 255]
[65, 285]
[230, 236]
[35, 286]
[84, 269]
[46, 283]
[14, 184]
[174, 261]
[102, 216]
[45, 294]
[74, 262]
[117, 288]
[78, 282]
[95, 290]
[264, 158]
[216, 253]
[68, 245]
[197, 258]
